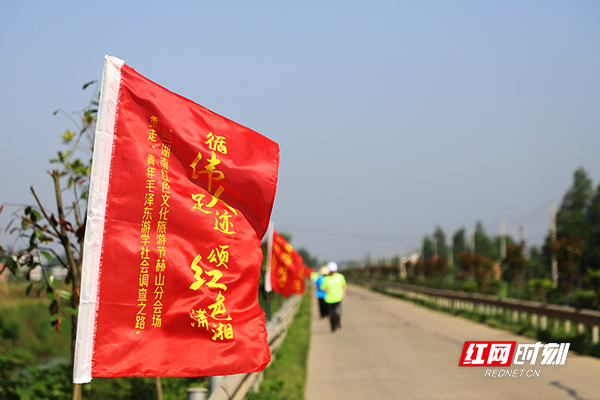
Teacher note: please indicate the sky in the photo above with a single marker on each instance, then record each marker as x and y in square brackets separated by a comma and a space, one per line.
[392, 117]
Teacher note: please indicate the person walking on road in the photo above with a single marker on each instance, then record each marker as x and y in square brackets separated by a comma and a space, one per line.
[334, 286]
[319, 293]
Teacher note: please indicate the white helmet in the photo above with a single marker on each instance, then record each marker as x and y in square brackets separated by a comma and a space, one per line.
[332, 266]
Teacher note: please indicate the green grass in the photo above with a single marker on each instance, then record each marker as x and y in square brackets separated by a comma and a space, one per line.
[26, 333]
[35, 359]
[285, 377]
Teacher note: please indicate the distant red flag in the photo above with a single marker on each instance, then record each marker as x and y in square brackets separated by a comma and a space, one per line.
[180, 199]
[285, 268]
[307, 271]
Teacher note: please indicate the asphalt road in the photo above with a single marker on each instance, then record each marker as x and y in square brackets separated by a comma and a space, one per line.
[392, 349]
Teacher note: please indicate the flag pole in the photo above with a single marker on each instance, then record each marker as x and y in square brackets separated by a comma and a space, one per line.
[76, 395]
[268, 286]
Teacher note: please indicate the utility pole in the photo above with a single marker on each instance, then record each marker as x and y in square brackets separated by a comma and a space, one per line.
[473, 240]
[402, 267]
[553, 238]
[522, 233]
[502, 240]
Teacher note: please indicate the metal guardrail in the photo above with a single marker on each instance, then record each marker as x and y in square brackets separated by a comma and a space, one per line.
[539, 312]
[235, 387]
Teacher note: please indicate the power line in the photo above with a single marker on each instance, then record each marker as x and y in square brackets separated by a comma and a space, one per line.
[525, 217]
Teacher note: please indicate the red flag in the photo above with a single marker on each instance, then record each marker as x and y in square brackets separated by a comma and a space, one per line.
[180, 199]
[286, 269]
[307, 272]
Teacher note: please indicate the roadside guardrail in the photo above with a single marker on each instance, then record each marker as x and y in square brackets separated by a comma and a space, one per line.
[538, 314]
[235, 387]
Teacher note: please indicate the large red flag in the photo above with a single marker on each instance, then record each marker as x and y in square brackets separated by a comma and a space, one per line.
[180, 199]
[285, 268]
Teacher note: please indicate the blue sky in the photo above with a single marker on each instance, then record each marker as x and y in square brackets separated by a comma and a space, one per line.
[393, 117]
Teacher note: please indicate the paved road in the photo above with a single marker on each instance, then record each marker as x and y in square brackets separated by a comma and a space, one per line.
[393, 349]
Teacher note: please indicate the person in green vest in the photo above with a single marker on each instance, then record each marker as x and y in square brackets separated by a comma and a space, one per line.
[334, 286]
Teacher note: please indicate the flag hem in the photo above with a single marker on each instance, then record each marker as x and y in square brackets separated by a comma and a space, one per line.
[96, 211]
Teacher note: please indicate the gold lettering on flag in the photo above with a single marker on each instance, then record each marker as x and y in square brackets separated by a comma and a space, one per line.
[157, 186]
[210, 316]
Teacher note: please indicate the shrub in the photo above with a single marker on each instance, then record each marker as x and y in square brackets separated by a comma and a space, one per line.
[582, 299]
[539, 289]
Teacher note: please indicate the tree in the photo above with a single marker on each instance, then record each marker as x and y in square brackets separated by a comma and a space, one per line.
[479, 267]
[459, 244]
[568, 251]
[59, 234]
[579, 216]
[428, 250]
[435, 267]
[483, 244]
[591, 257]
[538, 263]
[308, 259]
[441, 246]
[592, 281]
[571, 216]
[515, 262]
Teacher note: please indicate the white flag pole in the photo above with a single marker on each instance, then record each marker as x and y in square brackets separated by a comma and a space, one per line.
[268, 286]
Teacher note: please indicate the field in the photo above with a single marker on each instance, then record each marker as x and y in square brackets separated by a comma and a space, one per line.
[35, 359]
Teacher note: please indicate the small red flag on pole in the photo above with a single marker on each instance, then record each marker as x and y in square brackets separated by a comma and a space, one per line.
[180, 199]
[285, 268]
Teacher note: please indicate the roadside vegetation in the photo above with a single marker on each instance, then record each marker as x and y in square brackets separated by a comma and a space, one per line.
[285, 377]
[35, 359]
[564, 270]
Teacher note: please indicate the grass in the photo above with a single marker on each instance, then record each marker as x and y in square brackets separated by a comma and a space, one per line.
[35, 359]
[285, 377]
[25, 331]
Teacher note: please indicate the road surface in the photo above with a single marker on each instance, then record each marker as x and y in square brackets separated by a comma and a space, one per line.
[393, 349]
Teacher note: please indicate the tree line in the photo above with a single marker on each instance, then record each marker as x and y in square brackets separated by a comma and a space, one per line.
[501, 265]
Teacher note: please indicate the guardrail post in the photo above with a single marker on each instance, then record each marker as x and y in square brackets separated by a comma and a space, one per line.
[567, 325]
[515, 316]
[580, 328]
[534, 320]
[555, 324]
[543, 322]
[196, 393]
[595, 334]
[214, 383]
